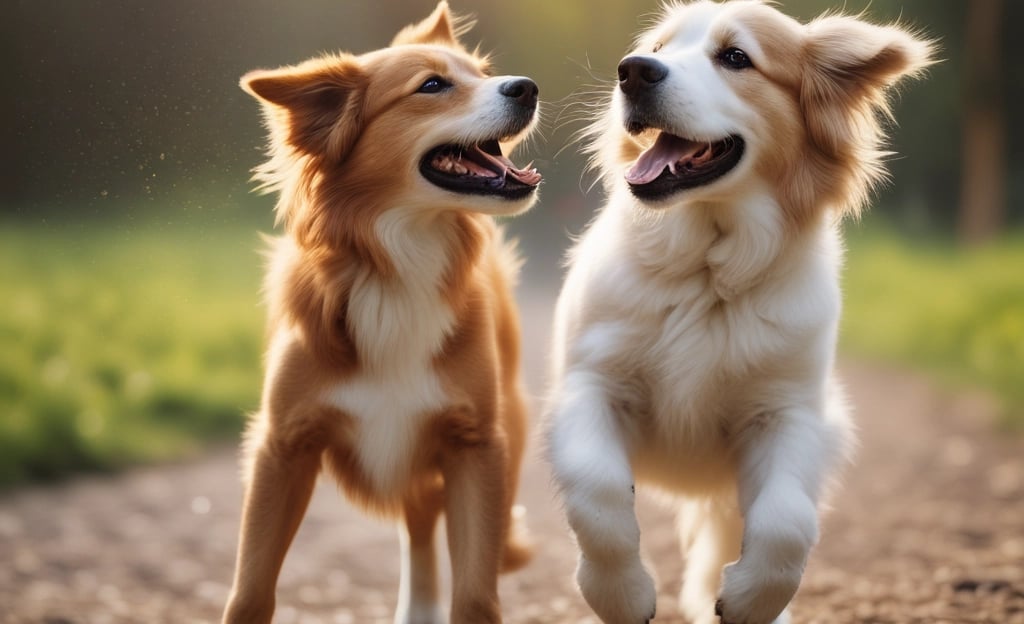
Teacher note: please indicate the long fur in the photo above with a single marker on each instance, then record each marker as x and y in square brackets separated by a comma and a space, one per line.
[695, 335]
[393, 358]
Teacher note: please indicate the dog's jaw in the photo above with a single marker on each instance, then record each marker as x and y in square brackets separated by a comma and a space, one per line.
[674, 164]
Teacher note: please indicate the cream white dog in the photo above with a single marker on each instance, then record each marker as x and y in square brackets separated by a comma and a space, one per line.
[695, 333]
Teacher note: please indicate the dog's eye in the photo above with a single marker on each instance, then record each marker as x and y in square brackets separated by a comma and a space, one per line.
[434, 84]
[734, 58]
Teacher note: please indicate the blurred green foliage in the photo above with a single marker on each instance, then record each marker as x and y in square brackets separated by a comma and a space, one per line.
[122, 346]
[131, 331]
[956, 312]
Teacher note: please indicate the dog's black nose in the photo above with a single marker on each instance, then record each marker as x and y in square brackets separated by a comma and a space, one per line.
[523, 90]
[637, 74]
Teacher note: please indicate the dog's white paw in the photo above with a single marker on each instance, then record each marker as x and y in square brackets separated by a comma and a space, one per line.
[618, 594]
[758, 596]
[421, 613]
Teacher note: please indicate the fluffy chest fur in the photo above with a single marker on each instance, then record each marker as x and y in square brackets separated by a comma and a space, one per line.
[398, 325]
[699, 318]
[389, 411]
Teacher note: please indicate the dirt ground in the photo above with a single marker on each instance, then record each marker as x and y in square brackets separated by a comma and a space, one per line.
[928, 528]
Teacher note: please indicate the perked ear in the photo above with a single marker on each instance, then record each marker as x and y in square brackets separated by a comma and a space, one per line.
[850, 65]
[318, 103]
[440, 27]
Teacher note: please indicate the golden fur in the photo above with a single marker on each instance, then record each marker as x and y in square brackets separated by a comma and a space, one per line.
[344, 144]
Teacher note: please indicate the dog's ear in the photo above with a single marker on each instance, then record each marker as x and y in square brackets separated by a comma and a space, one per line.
[316, 106]
[440, 27]
[850, 65]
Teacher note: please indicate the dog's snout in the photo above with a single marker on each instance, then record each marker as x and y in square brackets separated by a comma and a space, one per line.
[523, 90]
[638, 74]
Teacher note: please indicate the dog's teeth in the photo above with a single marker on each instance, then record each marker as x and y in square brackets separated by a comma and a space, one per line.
[459, 169]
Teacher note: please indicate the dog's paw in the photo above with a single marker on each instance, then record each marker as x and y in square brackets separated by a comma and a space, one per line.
[618, 594]
[784, 617]
[755, 596]
[420, 613]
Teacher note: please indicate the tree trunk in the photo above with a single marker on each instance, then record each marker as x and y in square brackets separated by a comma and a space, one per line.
[983, 188]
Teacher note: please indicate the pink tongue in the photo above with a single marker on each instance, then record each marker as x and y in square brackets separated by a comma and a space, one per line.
[666, 152]
[479, 170]
[526, 176]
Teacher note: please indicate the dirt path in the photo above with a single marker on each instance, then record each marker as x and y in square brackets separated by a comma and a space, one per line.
[929, 528]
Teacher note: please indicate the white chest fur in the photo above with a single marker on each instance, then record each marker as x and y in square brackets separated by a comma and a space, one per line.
[389, 411]
[398, 326]
[699, 320]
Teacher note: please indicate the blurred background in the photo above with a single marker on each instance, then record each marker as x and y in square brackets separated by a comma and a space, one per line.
[130, 322]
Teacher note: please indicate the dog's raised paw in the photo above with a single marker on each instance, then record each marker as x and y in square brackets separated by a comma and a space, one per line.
[783, 618]
[719, 610]
[618, 593]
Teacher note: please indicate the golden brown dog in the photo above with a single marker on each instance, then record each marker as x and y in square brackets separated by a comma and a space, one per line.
[394, 340]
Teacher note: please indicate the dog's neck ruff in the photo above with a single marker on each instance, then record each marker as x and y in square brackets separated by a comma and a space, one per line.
[403, 319]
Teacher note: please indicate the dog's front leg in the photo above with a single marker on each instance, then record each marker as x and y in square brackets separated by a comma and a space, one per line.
[278, 490]
[476, 518]
[782, 461]
[592, 469]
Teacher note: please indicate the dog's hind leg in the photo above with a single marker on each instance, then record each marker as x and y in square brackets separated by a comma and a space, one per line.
[418, 598]
[477, 523]
[518, 550]
[710, 531]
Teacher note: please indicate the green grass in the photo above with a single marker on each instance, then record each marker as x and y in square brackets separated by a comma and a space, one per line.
[123, 345]
[956, 313]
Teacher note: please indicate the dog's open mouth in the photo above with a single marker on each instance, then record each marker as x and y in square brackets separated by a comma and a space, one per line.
[674, 164]
[479, 169]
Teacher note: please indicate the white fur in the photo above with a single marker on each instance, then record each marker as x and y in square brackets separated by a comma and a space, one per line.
[389, 411]
[704, 106]
[401, 323]
[693, 351]
[398, 324]
[696, 358]
[417, 590]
